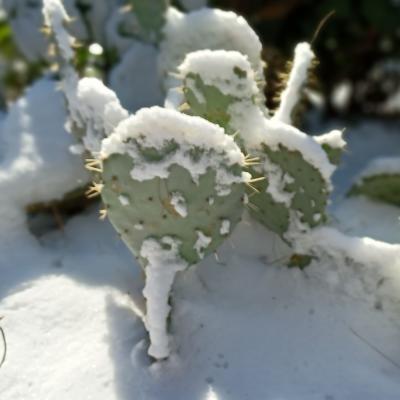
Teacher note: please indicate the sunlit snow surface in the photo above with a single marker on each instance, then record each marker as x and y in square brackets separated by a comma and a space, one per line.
[245, 328]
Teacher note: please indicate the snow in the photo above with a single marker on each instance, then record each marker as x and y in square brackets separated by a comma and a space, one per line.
[246, 315]
[381, 166]
[36, 164]
[225, 227]
[162, 266]
[217, 68]
[303, 58]
[155, 127]
[206, 29]
[56, 17]
[333, 138]
[97, 110]
[179, 203]
[203, 241]
[134, 78]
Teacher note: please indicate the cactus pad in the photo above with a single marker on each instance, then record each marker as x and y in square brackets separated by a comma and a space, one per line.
[156, 187]
[151, 17]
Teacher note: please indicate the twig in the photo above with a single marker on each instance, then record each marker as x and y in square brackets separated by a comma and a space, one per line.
[3, 336]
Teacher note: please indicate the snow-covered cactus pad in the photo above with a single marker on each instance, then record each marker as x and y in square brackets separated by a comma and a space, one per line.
[216, 85]
[380, 181]
[207, 29]
[291, 171]
[168, 174]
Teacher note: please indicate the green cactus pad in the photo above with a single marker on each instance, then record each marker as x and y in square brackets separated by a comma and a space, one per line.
[334, 153]
[151, 17]
[150, 213]
[306, 187]
[162, 197]
[381, 187]
[207, 101]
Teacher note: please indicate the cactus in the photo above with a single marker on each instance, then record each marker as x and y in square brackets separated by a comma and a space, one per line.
[291, 170]
[171, 181]
[151, 17]
[380, 181]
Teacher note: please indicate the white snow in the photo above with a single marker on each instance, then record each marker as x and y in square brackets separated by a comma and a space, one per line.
[124, 200]
[225, 227]
[56, 17]
[36, 164]
[303, 57]
[206, 29]
[333, 139]
[155, 127]
[179, 203]
[95, 109]
[203, 241]
[162, 266]
[135, 78]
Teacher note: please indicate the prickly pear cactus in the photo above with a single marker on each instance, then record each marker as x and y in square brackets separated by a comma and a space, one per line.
[291, 171]
[380, 181]
[167, 175]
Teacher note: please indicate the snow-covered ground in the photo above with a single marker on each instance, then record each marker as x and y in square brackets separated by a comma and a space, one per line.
[245, 327]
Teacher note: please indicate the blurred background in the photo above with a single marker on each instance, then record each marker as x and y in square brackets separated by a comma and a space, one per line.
[358, 47]
[357, 43]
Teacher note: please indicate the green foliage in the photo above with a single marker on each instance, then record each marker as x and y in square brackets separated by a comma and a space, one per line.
[149, 211]
[381, 187]
[213, 105]
[305, 187]
[151, 17]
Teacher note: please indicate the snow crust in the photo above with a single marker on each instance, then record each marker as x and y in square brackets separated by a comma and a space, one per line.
[225, 227]
[36, 165]
[303, 56]
[162, 266]
[333, 139]
[97, 111]
[206, 29]
[155, 127]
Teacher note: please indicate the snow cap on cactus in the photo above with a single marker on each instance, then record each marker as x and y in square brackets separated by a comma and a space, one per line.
[94, 109]
[215, 85]
[290, 97]
[333, 144]
[207, 29]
